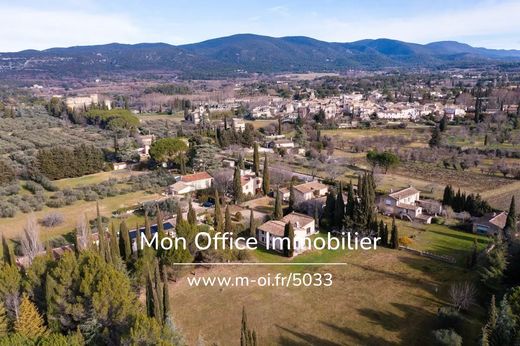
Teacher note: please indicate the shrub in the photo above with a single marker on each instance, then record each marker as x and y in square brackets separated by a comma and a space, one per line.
[438, 220]
[7, 209]
[405, 241]
[447, 337]
[449, 318]
[52, 220]
[33, 187]
[238, 216]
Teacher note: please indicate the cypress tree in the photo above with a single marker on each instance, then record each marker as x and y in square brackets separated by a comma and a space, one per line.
[351, 202]
[383, 234]
[147, 229]
[511, 220]
[192, 216]
[291, 196]
[101, 234]
[241, 162]
[125, 246]
[114, 246]
[182, 164]
[436, 138]
[252, 224]
[160, 225]
[218, 222]
[316, 216]
[447, 198]
[394, 237]
[228, 225]
[339, 207]
[278, 211]
[7, 252]
[256, 160]
[237, 186]
[265, 176]
[138, 243]
[288, 246]
[330, 206]
[166, 297]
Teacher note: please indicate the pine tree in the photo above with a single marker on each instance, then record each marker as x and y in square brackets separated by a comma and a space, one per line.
[265, 177]
[252, 224]
[7, 252]
[218, 222]
[256, 160]
[339, 207]
[492, 316]
[278, 211]
[4, 323]
[288, 246]
[237, 186]
[192, 216]
[125, 246]
[29, 322]
[394, 237]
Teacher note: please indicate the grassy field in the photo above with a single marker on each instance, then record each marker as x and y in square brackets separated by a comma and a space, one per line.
[12, 227]
[94, 178]
[380, 297]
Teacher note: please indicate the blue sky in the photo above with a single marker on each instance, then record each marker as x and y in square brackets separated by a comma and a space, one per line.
[44, 24]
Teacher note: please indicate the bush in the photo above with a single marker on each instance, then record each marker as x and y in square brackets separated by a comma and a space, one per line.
[447, 337]
[449, 318]
[52, 220]
[238, 216]
[405, 241]
[7, 209]
[33, 187]
[438, 220]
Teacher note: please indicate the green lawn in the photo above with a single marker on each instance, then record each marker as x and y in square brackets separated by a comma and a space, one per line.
[93, 178]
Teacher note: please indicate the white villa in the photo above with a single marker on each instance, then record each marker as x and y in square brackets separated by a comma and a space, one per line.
[403, 202]
[191, 182]
[271, 233]
[310, 190]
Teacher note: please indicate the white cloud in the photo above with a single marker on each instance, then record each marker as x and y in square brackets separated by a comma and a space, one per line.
[24, 28]
[488, 19]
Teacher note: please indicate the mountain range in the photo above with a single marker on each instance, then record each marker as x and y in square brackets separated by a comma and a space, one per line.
[246, 53]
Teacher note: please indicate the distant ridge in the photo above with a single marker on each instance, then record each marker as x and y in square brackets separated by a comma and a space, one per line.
[247, 53]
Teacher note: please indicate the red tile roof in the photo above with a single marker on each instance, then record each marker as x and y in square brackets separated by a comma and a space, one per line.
[195, 177]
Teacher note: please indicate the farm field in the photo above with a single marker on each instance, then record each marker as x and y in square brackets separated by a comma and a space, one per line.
[371, 299]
